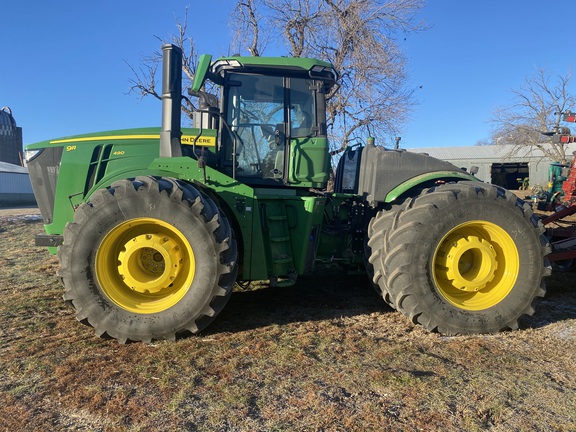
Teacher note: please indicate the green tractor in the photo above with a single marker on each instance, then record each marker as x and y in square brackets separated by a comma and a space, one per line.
[154, 226]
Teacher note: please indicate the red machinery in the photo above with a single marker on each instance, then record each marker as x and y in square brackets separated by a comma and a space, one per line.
[561, 231]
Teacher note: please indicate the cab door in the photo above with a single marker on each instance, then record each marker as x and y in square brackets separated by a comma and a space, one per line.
[256, 115]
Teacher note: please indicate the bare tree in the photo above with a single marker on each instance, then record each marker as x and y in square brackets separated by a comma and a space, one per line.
[295, 20]
[535, 113]
[248, 27]
[144, 81]
[360, 38]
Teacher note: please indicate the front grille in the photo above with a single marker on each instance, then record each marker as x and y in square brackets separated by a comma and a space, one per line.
[43, 170]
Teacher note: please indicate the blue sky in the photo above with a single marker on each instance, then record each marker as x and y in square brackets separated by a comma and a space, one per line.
[63, 64]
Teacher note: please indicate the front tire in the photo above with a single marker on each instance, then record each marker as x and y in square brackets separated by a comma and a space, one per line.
[148, 258]
[463, 258]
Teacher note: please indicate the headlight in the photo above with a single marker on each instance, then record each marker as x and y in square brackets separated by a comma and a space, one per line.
[31, 154]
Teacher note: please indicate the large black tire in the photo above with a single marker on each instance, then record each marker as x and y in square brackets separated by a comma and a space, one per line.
[148, 258]
[378, 227]
[461, 258]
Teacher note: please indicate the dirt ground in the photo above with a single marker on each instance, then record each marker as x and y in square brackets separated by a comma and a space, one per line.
[18, 211]
[324, 355]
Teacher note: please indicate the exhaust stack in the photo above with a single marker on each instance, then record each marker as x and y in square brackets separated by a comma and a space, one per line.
[170, 132]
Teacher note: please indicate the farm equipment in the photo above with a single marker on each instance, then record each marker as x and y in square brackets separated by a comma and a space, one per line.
[551, 197]
[560, 230]
[154, 226]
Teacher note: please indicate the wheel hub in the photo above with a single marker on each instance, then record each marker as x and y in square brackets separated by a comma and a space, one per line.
[149, 263]
[470, 263]
[475, 265]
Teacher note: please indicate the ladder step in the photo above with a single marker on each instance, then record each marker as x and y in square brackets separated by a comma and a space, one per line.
[282, 260]
[280, 239]
[277, 218]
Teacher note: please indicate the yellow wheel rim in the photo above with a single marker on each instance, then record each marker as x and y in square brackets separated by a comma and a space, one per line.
[145, 265]
[475, 265]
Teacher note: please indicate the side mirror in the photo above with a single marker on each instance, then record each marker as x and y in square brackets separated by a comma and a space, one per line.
[201, 71]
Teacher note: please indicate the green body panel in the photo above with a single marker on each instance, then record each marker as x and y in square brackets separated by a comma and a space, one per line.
[290, 225]
[310, 165]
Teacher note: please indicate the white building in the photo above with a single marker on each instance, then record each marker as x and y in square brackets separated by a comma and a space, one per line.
[498, 164]
[15, 187]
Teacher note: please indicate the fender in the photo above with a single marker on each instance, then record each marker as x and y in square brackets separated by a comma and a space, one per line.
[419, 181]
[387, 174]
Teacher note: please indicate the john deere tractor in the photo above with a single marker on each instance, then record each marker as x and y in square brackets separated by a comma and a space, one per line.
[154, 226]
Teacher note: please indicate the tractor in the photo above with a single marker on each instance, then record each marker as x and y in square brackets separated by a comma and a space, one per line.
[153, 227]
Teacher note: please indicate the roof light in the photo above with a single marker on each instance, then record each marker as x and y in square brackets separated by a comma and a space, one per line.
[320, 70]
[225, 64]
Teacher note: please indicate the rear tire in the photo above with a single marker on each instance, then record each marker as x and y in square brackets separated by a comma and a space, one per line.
[378, 229]
[462, 258]
[148, 258]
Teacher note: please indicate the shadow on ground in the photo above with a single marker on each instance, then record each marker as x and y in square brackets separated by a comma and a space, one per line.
[313, 298]
[336, 295]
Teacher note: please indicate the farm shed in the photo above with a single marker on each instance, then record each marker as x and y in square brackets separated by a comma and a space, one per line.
[498, 164]
[15, 187]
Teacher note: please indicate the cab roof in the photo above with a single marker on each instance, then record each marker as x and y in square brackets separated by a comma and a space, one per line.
[313, 67]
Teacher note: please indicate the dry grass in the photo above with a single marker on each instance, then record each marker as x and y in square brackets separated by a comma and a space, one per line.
[325, 355]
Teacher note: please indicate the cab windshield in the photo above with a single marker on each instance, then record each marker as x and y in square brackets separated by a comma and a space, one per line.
[264, 113]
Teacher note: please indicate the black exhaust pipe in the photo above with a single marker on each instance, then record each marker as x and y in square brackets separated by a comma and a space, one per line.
[171, 101]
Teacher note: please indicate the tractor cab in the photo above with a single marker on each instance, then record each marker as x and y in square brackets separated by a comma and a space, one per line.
[271, 120]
